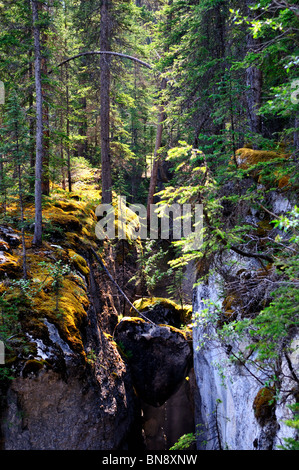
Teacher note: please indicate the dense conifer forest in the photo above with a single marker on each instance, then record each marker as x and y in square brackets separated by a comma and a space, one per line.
[148, 103]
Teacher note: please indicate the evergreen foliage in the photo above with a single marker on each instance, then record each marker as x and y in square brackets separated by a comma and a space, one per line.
[222, 81]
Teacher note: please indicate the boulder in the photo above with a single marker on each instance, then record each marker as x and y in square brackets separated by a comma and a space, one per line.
[163, 311]
[159, 357]
[9, 236]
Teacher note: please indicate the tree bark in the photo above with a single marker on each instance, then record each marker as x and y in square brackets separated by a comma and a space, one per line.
[37, 239]
[82, 145]
[31, 128]
[24, 262]
[296, 133]
[254, 80]
[105, 32]
[68, 151]
[254, 83]
[46, 128]
[154, 173]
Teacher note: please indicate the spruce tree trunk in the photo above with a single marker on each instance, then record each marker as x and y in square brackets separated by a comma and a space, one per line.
[105, 32]
[37, 239]
[46, 128]
[31, 128]
[154, 174]
[82, 146]
[254, 81]
[296, 134]
[68, 152]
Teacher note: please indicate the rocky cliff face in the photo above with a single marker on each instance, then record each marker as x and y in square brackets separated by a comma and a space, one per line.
[62, 400]
[225, 414]
[69, 388]
[234, 408]
[80, 379]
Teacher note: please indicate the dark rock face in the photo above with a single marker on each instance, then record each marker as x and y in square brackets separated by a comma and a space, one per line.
[163, 426]
[47, 412]
[164, 314]
[159, 358]
[61, 400]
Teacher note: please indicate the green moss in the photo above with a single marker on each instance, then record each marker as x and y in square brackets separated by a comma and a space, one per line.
[57, 217]
[71, 299]
[110, 339]
[134, 319]
[79, 262]
[72, 306]
[264, 227]
[69, 206]
[144, 304]
[247, 157]
[186, 333]
[9, 265]
[74, 222]
[264, 404]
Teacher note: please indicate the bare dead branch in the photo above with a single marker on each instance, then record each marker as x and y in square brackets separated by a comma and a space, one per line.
[118, 54]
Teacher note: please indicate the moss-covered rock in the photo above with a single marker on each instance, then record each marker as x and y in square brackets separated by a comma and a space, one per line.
[247, 157]
[159, 357]
[57, 217]
[72, 303]
[65, 307]
[79, 262]
[264, 404]
[10, 236]
[9, 266]
[163, 311]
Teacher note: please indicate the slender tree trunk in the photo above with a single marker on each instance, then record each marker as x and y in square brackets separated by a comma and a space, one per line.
[154, 174]
[254, 81]
[82, 146]
[62, 150]
[296, 133]
[105, 32]
[62, 165]
[46, 127]
[31, 129]
[2, 180]
[24, 258]
[63, 184]
[68, 152]
[37, 239]
[24, 262]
